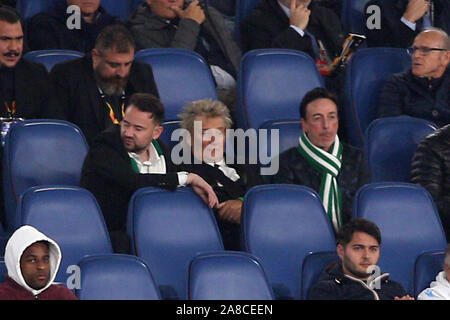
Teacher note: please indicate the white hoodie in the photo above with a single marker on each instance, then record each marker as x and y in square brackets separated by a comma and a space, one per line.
[21, 239]
[438, 290]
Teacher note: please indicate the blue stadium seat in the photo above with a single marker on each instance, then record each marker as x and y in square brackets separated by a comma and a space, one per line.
[271, 84]
[116, 277]
[409, 223]
[70, 216]
[352, 16]
[120, 8]
[281, 225]
[136, 3]
[390, 146]
[28, 8]
[243, 9]
[51, 57]
[313, 265]
[169, 128]
[3, 270]
[365, 75]
[40, 152]
[426, 268]
[227, 275]
[167, 229]
[181, 76]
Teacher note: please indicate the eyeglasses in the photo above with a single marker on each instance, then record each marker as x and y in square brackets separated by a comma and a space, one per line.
[423, 50]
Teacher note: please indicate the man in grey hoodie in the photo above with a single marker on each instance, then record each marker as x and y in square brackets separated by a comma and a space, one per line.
[32, 260]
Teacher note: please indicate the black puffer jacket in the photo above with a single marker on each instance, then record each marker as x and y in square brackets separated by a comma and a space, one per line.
[431, 169]
[295, 169]
[406, 94]
[334, 285]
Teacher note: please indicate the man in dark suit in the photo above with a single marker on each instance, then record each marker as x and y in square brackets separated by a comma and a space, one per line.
[402, 20]
[206, 122]
[25, 89]
[94, 90]
[125, 158]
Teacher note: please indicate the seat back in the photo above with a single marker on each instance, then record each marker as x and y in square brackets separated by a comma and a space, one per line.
[28, 8]
[51, 57]
[227, 275]
[40, 152]
[167, 229]
[70, 216]
[365, 75]
[391, 144]
[409, 223]
[271, 84]
[116, 277]
[281, 225]
[353, 17]
[426, 268]
[313, 265]
[243, 9]
[120, 8]
[181, 76]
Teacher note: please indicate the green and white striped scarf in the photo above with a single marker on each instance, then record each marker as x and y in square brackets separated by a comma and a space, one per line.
[329, 165]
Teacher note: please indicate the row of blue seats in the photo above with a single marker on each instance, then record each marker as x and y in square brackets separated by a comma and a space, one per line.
[270, 85]
[281, 225]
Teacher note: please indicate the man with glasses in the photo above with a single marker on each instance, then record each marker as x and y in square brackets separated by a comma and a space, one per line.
[424, 90]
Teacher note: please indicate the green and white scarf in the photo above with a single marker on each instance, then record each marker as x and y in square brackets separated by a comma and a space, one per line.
[329, 165]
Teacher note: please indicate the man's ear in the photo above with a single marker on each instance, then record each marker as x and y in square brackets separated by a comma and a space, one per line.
[158, 131]
[340, 251]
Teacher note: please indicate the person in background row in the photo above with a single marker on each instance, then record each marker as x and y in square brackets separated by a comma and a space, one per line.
[358, 248]
[32, 260]
[59, 30]
[424, 90]
[94, 90]
[439, 289]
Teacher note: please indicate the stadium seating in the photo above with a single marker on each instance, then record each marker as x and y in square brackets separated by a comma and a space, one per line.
[116, 277]
[390, 146]
[271, 84]
[352, 16]
[281, 225]
[51, 57]
[243, 9]
[71, 217]
[313, 265]
[227, 275]
[365, 75]
[426, 268]
[40, 152]
[167, 229]
[409, 223]
[120, 8]
[181, 76]
[3, 270]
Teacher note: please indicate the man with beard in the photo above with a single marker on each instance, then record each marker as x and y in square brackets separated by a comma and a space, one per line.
[24, 86]
[358, 248]
[94, 90]
[51, 31]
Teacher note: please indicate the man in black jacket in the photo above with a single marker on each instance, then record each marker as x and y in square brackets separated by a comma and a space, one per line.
[358, 247]
[93, 90]
[25, 88]
[321, 159]
[128, 157]
[61, 30]
[424, 90]
[431, 169]
[402, 20]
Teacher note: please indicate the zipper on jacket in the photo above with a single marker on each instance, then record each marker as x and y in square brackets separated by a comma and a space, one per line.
[369, 286]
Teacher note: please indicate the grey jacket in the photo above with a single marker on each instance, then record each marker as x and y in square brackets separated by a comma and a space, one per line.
[151, 31]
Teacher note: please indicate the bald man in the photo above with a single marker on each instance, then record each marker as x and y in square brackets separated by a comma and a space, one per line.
[424, 90]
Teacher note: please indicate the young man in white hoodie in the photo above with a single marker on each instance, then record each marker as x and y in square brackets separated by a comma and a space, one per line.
[32, 260]
[439, 289]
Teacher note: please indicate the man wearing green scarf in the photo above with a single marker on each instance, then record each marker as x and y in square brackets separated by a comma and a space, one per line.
[321, 161]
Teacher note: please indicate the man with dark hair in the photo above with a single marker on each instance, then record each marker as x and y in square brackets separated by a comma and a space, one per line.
[402, 20]
[60, 30]
[128, 157]
[321, 161]
[93, 90]
[32, 260]
[430, 168]
[25, 89]
[424, 90]
[358, 248]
